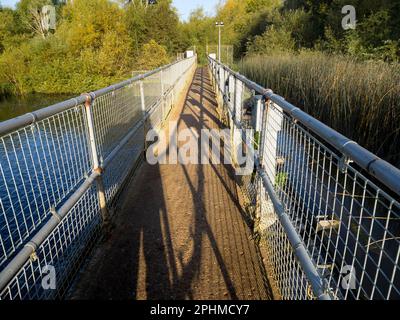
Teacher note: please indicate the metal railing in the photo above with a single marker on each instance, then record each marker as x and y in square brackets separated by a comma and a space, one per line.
[61, 169]
[329, 209]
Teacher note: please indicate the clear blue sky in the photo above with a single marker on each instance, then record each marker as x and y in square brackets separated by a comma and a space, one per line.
[184, 6]
[8, 3]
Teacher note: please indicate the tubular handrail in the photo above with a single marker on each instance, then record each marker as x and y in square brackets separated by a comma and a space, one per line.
[36, 240]
[305, 194]
[386, 173]
[24, 254]
[37, 115]
[318, 285]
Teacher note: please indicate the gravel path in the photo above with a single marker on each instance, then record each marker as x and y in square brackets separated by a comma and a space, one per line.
[181, 232]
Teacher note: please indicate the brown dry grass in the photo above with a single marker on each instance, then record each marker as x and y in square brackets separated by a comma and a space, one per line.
[359, 99]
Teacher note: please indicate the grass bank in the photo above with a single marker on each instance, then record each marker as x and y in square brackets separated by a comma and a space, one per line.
[359, 99]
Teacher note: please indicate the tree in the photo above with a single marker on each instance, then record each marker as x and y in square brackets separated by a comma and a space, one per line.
[153, 56]
[245, 19]
[158, 21]
[199, 31]
[272, 40]
[14, 69]
[85, 23]
[7, 29]
[31, 16]
[114, 56]
[135, 17]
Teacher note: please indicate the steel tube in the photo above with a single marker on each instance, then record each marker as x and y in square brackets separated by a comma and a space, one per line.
[95, 160]
[22, 257]
[37, 115]
[219, 44]
[388, 174]
[29, 118]
[297, 244]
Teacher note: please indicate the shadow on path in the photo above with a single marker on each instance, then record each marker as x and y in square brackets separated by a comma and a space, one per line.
[181, 232]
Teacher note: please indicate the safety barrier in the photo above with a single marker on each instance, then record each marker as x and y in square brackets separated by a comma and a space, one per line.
[61, 169]
[329, 209]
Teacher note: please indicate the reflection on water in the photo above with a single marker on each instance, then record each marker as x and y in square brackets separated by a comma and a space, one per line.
[13, 106]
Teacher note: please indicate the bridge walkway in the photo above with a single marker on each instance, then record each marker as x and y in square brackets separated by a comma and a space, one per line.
[180, 232]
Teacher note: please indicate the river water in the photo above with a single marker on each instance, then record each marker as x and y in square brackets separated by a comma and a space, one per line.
[13, 106]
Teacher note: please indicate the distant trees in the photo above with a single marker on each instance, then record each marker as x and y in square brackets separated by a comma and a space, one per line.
[7, 27]
[272, 40]
[96, 43]
[256, 26]
[14, 71]
[199, 31]
[245, 19]
[376, 36]
[159, 22]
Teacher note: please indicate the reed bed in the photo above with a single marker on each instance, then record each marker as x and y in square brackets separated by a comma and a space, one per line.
[359, 99]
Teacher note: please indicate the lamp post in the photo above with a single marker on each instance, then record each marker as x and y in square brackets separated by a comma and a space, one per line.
[219, 25]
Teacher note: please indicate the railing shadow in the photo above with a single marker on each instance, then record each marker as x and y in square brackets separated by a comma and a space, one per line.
[141, 259]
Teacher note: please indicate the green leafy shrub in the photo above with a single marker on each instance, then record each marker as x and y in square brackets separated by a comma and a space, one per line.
[272, 40]
[152, 57]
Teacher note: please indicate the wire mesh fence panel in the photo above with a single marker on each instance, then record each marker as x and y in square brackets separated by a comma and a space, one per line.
[40, 165]
[287, 273]
[124, 161]
[226, 53]
[59, 253]
[349, 225]
[114, 115]
[48, 161]
[348, 221]
[152, 90]
[155, 116]
[246, 136]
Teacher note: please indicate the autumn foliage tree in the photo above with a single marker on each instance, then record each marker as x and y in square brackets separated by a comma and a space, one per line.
[96, 43]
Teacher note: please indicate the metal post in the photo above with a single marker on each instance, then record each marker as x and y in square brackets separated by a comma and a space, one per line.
[219, 26]
[219, 44]
[318, 284]
[143, 105]
[162, 84]
[96, 167]
[162, 96]
[263, 118]
[236, 113]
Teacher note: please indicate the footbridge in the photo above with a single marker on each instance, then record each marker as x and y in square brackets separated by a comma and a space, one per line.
[289, 209]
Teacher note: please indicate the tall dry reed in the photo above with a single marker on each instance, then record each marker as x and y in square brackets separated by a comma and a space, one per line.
[359, 99]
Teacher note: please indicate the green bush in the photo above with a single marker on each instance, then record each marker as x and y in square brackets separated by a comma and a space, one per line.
[152, 57]
[93, 46]
[272, 40]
